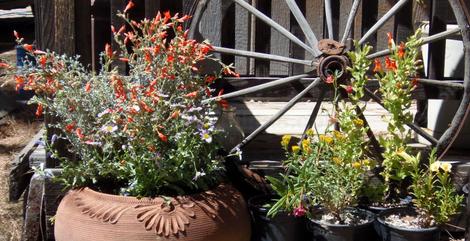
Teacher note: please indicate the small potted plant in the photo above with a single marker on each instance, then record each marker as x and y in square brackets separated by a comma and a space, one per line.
[325, 172]
[145, 165]
[435, 202]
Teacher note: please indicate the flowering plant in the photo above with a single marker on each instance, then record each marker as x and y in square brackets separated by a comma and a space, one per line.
[151, 132]
[328, 169]
[434, 193]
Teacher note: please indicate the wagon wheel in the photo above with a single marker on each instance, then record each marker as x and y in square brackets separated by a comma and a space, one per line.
[335, 56]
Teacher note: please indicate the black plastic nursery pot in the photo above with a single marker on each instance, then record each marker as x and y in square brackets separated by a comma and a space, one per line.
[389, 232]
[283, 227]
[342, 232]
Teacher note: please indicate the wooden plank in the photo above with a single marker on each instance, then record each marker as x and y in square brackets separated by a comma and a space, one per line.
[403, 23]
[32, 213]
[242, 38]
[44, 24]
[263, 33]
[279, 45]
[53, 195]
[64, 41]
[83, 31]
[211, 23]
[383, 7]
[314, 15]
[151, 8]
[117, 22]
[344, 10]
[357, 26]
[20, 171]
[436, 50]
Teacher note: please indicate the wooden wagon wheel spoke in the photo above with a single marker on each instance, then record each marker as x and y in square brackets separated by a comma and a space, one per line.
[329, 18]
[314, 114]
[457, 84]
[412, 126]
[306, 29]
[425, 40]
[370, 134]
[278, 115]
[382, 20]
[276, 26]
[257, 55]
[349, 23]
[264, 86]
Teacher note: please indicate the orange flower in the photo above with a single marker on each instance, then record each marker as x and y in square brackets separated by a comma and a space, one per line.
[191, 95]
[88, 87]
[70, 127]
[223, 103]
[28, 47]
[390, 64]
[113, 29]
[129, 6]
[401, 50]
[210, 79]
[175, 114]
[122, 29]
[124, 59]
[167, 16]
[108, 50]
[145, 107]
[17, 36]
[4, 65]
[162, 137]
[378, 66]
[79, 133]
[390, 39]
[19, 82]
[39, 110]
[43, 61]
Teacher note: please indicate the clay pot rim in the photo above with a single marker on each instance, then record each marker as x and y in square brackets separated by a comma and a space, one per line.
[146, 200]
[381, 220]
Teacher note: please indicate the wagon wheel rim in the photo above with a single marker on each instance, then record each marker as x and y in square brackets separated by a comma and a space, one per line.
[310, 45]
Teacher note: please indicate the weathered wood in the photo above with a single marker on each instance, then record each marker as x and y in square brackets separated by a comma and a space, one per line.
[117, 22]
[357, 26]
[83, 31]
[404, 23]
[262, 32]
[383, 7]
[44, 24]
[33, 210]
[52, 197]
[64, 40]
[152, 7]
[314, 16]
[279, 44]
[242, 38]
[20, 171]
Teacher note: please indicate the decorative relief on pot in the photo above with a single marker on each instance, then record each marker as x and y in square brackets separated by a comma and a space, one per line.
[166, 217]
[101, 210]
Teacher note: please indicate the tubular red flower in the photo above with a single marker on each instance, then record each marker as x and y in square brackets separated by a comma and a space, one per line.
[108, 50]
[88, 87]
[28, 47]
[129, 6]
[39, 110]
[330, 79]
[17, 36]
[377, 66]
[390, 39]
[162, 137]
[401, 50]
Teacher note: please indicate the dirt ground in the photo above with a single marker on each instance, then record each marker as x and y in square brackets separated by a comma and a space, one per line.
[16, 130]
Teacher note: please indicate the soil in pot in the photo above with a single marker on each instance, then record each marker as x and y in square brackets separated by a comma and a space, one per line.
[357, 226]
[282, 227]
[402, 224]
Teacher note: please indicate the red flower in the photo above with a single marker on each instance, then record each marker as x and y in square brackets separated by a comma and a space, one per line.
[28, 47]
[167, 16]
[191, 95]
[330, 79]
[378, 66]
[88, 87]
[175, 114]
[108, 50]
[390, 39]
[145, 107]
[390, 64]
[37, 51]
[79, 133]
[124, 59]
[349, 89]
[414, 82]
[4, 65]
[300, 211]
[210, 79]
[223, 103]
[129, 5]
[43, 61]
[70, 127]
[162, 137]
[39, 110]
[122, 29]
[113, 30]
[401, 50]
[19, 82]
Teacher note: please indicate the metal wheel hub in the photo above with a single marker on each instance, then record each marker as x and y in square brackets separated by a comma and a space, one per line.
[334, 65]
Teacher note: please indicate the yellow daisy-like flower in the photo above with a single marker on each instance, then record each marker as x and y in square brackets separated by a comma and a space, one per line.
[306, 145]
[445, 166]
[337, 160]
[356, 164]
[295, 149]
[338, 134]
[366, 162]
[435, 166]
[285, 141]
[358, 122]
[326, 139]
[310, 132]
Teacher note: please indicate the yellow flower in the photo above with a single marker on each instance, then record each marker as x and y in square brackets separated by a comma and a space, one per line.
[338, 134]
[310, 132]
[366, 162]
[337, 160]
[358, 122]
[285, 141]
[306, 145]
[356, 164]
[445, 166]
[326, 139]
[435, 166]
[295, 149]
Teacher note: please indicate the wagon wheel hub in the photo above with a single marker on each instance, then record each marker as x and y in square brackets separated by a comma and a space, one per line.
[334, 64]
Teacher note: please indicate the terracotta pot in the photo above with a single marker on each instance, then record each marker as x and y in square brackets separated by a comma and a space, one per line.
[218, 214]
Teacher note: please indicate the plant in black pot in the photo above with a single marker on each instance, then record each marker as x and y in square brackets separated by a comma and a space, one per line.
[325, 172]
[435, 202]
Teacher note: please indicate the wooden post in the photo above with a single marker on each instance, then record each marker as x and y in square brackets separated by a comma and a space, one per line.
[44, 24]
[117, 22]
[64, 40]
[436, 50]
[279, 45]
[83, 31]
[151, 8]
